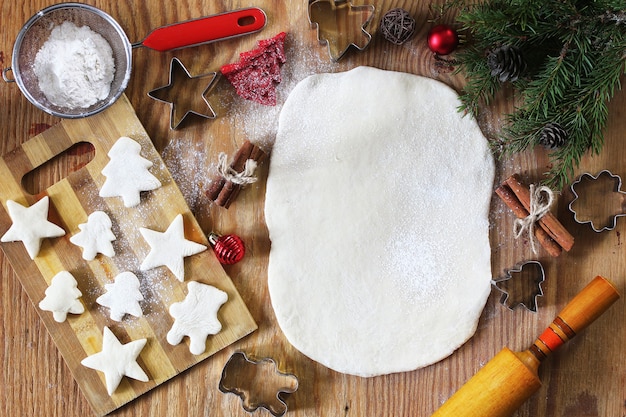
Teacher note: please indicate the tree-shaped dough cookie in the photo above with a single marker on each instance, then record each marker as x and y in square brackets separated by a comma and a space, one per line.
[62, 297]
[127, 173]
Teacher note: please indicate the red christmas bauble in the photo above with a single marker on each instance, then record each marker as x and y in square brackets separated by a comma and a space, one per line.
[229, 249]
[442, 39]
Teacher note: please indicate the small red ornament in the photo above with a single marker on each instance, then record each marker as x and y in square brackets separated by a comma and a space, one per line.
[442, 39]
[229, 249]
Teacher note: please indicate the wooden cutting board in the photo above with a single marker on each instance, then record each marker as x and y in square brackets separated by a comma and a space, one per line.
[72, 199]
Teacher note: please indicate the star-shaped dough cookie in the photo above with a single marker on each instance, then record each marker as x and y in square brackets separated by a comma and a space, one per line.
[117, 360]
[31, 225]
[196, 316]
[169, 248]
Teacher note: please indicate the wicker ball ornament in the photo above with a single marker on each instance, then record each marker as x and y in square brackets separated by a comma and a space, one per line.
[397, 26]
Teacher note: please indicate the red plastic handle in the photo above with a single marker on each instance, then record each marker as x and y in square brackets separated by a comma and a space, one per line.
[206, 29]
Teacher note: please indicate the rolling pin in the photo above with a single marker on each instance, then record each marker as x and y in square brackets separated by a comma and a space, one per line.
[510, 378]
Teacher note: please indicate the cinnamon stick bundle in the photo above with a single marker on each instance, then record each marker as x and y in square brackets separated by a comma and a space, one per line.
[509, 198]
[550, 234]
[222, 191]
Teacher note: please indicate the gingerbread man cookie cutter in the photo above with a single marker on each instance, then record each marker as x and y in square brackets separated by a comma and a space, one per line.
[521, 285]
[258, 383]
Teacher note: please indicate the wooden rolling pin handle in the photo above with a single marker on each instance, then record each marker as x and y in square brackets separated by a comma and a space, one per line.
[579, 313]
[510, 378]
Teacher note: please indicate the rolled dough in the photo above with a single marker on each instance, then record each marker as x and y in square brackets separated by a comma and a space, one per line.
[377, 207]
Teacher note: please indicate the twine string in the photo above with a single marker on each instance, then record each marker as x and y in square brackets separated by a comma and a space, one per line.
[541, 199]
[241, 178]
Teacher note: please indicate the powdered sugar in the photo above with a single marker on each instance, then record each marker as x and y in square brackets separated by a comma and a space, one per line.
[74, 66]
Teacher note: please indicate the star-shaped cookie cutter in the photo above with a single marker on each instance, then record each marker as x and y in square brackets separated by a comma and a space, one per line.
[161, 93]
[332, 19]
[521, 285]
[598, 188]
[258, 383]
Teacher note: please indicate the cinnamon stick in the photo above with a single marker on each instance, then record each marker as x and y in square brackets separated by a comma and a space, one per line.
[216, 188]
[226, 194]
[509, 198]
[241, 156]
[549, 222]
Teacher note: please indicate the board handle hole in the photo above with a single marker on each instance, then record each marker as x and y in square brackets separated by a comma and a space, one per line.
[58, 168]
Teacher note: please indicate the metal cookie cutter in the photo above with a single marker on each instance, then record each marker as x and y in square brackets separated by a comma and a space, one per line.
[180, 100]
[340, 25]
[521, 285]
[258, 383]
[602, 191]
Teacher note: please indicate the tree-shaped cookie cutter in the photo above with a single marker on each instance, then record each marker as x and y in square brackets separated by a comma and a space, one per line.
[603, 190]
[258, 383]
[521, 285]
[340, 25]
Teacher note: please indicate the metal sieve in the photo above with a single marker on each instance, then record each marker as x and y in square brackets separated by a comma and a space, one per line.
[37, 30]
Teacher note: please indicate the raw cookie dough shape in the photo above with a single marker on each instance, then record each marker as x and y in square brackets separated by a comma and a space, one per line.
[31, 225]
[116, 360]
[377, 207]
[169, 248]
[127, 173]
[196, 316]
[62, 297]
[122, 296]
[95, 236]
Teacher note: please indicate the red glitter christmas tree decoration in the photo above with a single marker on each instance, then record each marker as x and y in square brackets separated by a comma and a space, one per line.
[257, 73]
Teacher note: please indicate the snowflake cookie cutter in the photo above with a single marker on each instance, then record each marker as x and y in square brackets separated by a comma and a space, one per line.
[335, 20]
[258, 383]
[589, 191]
[179, 75]
[521, 285]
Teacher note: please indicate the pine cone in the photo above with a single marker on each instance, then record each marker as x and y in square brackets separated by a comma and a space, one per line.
[506, 63]
[553, 136]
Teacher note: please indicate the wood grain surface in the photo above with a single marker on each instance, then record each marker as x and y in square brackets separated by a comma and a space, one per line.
[586, 378]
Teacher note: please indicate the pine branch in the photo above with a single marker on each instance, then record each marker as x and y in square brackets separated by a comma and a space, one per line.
[576, 53]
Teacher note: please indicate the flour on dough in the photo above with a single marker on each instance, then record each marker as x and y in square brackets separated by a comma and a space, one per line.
[62, 297]
[30, 225]
[95, 236]
[377, 207]
[127, 173]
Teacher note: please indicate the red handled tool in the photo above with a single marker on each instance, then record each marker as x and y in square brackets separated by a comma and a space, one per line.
[205, 29]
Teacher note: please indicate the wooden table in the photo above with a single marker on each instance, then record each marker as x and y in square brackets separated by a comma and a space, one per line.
[586, 378]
